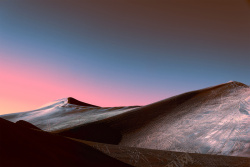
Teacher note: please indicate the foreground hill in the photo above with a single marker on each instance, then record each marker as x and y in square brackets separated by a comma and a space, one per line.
[22, 145]
[141, 157]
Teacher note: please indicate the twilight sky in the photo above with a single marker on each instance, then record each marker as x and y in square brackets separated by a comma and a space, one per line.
[118, 52]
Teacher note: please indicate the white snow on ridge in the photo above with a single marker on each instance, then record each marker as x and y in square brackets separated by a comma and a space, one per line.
[59, 114]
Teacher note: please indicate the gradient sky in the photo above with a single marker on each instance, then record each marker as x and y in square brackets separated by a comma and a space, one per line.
[118, 52]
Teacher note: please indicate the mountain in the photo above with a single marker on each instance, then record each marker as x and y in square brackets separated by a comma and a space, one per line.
[213, 120]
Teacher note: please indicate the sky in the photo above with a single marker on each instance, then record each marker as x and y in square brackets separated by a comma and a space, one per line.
[118, 52]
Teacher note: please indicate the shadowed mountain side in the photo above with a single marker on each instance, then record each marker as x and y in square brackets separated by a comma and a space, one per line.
[96, 132]
[186, 122]
[79, 103]
[26, 124]
[20, 146]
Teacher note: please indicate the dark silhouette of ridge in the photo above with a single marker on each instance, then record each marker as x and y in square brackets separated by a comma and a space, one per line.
[71, 100]
[26, 124]
[21, 146]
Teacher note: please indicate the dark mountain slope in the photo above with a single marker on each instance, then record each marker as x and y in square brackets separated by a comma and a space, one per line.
[21, 146]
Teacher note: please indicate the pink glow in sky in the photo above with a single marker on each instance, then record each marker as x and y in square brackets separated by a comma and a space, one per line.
[25, 88]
